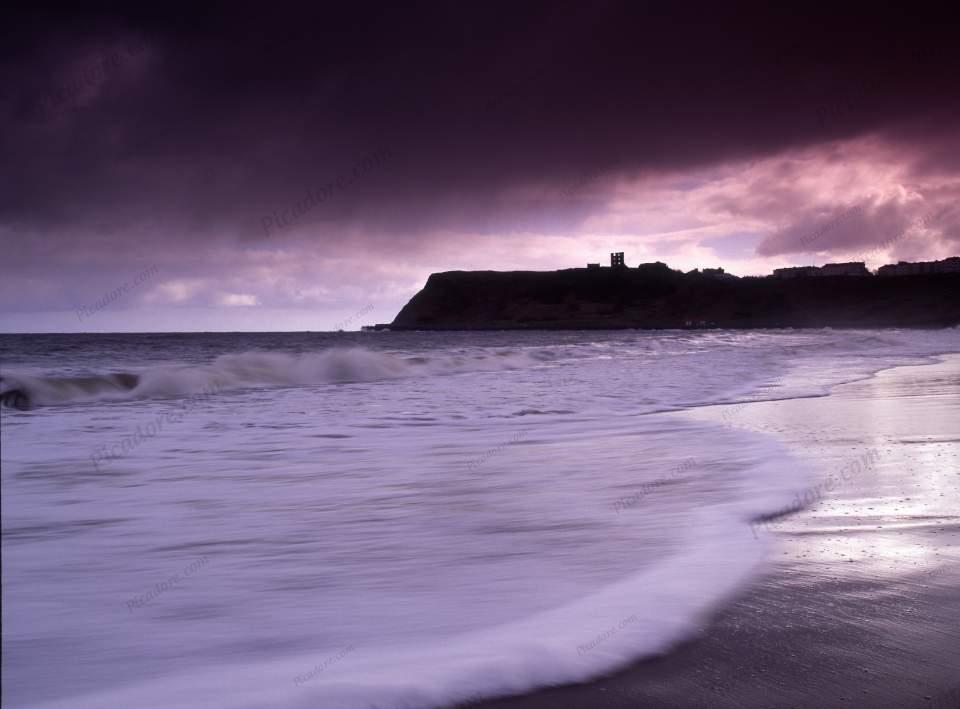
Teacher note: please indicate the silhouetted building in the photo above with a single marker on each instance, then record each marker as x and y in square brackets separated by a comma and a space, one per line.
[853, 268]
[948, 265]
[655, 267]
[795, 272]
[713, 272]
[593, 265]
[616, 260]
[907, 268]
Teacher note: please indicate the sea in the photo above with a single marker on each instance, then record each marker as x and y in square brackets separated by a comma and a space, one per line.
[386, 519]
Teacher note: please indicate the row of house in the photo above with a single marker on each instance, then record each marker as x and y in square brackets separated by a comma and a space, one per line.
[859, 268]
[906, 268]
[850, 268]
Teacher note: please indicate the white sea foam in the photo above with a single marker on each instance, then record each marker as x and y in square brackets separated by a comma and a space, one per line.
[712, 555]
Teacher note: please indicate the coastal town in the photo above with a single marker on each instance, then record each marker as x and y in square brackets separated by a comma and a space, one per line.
[851, 268]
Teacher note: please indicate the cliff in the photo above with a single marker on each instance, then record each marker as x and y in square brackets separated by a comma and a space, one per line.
[654, 298]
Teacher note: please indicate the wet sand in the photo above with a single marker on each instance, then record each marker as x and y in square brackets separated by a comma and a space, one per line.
[860, 604]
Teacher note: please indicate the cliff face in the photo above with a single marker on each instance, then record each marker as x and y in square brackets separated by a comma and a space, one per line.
[661, 298]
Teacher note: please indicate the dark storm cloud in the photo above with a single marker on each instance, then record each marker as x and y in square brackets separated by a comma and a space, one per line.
[233, 112]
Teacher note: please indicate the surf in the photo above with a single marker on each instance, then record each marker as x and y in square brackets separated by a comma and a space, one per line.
[250, 370]
[24, 392]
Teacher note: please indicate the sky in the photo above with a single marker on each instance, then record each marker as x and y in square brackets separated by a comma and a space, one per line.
[307, 166]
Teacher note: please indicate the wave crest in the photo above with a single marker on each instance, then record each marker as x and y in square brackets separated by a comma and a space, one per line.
[247, 370]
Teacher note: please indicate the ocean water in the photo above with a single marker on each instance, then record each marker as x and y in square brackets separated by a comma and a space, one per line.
[389, 520]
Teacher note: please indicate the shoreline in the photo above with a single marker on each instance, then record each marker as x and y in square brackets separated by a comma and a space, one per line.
[606, 327]
[859, 602]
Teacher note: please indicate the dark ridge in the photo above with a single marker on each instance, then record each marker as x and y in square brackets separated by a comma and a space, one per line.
[654, 296]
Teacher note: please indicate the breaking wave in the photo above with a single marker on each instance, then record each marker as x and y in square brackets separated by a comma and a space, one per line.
[250, 370]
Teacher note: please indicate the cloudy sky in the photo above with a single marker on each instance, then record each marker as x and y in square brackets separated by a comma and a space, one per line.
[303, 167]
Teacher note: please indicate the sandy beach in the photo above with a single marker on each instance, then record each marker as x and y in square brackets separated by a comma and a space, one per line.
[860, 602]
